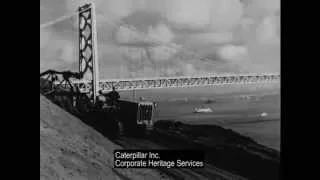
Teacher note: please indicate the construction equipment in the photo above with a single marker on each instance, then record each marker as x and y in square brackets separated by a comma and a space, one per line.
[110, 116]
[136, 117]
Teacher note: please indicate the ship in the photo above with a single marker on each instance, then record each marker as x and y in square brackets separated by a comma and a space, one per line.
[203, 110]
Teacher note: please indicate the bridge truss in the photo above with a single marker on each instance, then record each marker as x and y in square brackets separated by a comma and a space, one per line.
[179, 82]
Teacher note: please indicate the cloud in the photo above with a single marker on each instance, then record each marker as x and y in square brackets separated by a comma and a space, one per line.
[203, 40]
[264, 56]
[111, 9]
[217, 27]
[68, 52]
[217, 38]
[161, 33]
[44, 37]
[141, 55]
[262, 39]
[161, 53]
[57, 50]
[216, 15]
[125, 35]
[189, 70]
[188, 12]
[212, 14]
[261, 8]
[233, 52]
[267, 31]
[260, 33]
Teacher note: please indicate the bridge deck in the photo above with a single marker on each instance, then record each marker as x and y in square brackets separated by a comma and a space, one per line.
[177, 82]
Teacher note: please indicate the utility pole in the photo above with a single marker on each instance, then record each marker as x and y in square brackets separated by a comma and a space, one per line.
[134, 95]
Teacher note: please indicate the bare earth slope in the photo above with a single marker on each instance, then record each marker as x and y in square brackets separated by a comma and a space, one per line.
[69, 149]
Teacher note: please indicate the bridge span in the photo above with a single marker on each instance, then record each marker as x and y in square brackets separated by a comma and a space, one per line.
[179, 82]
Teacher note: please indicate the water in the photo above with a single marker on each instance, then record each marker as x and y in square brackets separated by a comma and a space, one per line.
[237, 114]
[238, 110]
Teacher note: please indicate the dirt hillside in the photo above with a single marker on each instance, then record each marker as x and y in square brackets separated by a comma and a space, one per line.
[69, 149]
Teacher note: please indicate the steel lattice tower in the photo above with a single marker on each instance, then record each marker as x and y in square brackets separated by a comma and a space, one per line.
[88, 54]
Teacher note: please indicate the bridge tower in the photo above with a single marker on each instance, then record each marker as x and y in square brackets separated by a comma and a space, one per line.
[88, 49]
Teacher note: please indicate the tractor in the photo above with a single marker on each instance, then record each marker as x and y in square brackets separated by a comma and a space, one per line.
[136, 117]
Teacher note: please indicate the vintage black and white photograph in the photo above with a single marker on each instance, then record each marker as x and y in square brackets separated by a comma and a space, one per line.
[160, 89]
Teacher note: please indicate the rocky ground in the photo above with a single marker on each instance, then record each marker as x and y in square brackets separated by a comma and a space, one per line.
[69, 149]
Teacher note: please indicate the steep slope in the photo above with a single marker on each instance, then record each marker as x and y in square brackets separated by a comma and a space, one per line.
[69, 149]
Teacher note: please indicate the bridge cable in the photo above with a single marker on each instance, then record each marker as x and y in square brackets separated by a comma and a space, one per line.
[62, 18]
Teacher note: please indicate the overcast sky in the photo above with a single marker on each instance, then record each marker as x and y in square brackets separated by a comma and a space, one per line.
[235, 35]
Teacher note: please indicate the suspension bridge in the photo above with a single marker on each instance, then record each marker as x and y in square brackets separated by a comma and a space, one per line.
[179, 82]
[89, 66]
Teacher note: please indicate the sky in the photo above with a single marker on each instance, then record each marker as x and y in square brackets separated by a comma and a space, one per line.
[231, 35]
